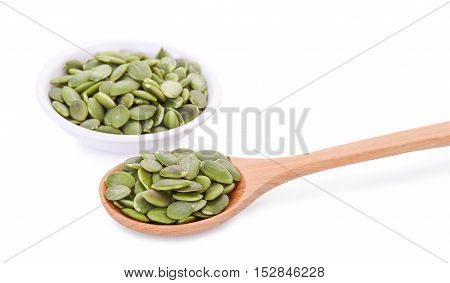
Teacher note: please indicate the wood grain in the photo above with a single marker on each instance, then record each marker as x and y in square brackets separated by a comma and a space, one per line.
[261, 175]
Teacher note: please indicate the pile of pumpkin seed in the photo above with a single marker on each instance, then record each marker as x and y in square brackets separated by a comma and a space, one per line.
[174, 187]
[131, 93]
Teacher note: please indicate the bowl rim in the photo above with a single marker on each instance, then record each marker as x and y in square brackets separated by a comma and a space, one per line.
[46, 74]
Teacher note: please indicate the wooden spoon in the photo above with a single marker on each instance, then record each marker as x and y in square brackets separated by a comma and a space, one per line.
[261, 175]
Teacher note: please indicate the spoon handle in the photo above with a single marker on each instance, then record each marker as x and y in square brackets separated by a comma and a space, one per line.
[411, 140]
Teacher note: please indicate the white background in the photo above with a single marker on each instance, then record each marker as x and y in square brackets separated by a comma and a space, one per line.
[261, 51]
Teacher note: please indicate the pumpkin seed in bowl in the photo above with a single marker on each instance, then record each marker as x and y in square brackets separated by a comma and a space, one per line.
[176, 187]
[129, 93]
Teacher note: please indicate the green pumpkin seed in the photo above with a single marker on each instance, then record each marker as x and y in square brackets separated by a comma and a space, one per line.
[109, 130]
[194, 67]
[84, 86]
[178, 115]
[151, 165]
[182, 152]
[204, 181]
[147, 125]
[170, 184]
[171, 89]
[127, 100]
[135, 215]
[189, 112]
[200, 214]
[140, 101]
[214, 191]
[69, 95]
[123, 87]
[127, 203]
[216, 172]
[229, 188]
[139, 70]
[117, 192]
[158, 129]
[116, 203]
[171, 77]
[198, 82]
[132, 128]
[142, 112]
[157, 198]
[176, 102]
[55, 94]
[230, 167]
[198, 205]
[107, 117]
[187, 196]
[145, 95]
[78, 110]
[187, 220]
[79, 78]
[72, 64]
[119, 116]
[185, 95]
[156, 177]
[145, 178]
[158, 116]
[185, 82]
[92, 89]
[171, 120]
[192, 165]
[162, 53]
[209, 155]
[95, 109]
[166, 158]
[155, 91]
[181, 72]
[110, 59]
[159, 215]
[216, 206]
[141, 205]
[197, 98]
[100, 72]
[138, 188]
[61, 80]
[90, 124]
[105, 100]
[173, 172]
[193, 187]
[61, 108]
[146, 154]
[91, 63]
[120, 178]
[179, 210]
[118, 72]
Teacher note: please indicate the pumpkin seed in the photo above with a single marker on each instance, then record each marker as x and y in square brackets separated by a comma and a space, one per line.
[69, 95]
[173, 172]
[157, 198]
[123, 87]
[141, 205]
[167, 64]
[229, 188]
[110, 59]
[187, 196]
[142, 112]
[155, 91]
[145, 178]
[116, 203]
[132, 128]
[139, 70]
[61, 80]
[151, 165]
[170, 184]
[72, 64]
[158, 116]
[78, 110]
[230, 167]
[61, 108]
[109, 130]
[127, 203]
[135, 215]
[120, 178]
[107, 117]
[171, 89]
[145, 95]
[158, 214]
[204, 181]
[90, 124]
[214, 191]
[119, 116]
[105, 100]
[158, 129]
[176, 102]
[117, 192]
[189, 112]
[187, 220]
[200, 214]
[79, 78]
[192, 165]
[132, 164]
[166, 158]
[147, 125]
[197, 98]
[92, 89]
[179, 210]
[138, 188]
[55, 94]
[209, 155]
[192, 187]
[216, 206]
[95, 109]
[100, 72]
[171, 121]
[84, 86]
[171, 77]
[118, 72]
[127, 100]
[198, 82]
[216, 172]
[198, 205]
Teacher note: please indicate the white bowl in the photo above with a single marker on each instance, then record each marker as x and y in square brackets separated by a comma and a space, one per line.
[123, 143]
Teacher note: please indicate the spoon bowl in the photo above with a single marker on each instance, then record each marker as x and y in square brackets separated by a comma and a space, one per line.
[260, 175]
